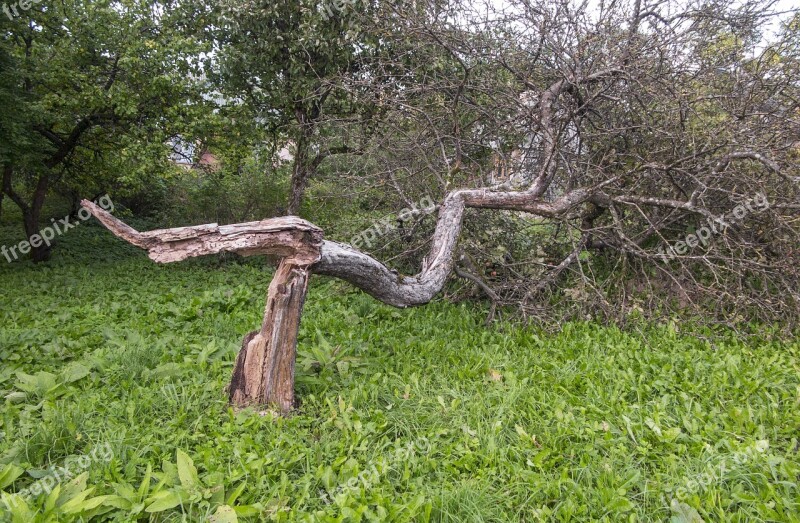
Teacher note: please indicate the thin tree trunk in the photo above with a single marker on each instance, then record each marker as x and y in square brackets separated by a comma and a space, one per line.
[39, 252]
[300, 176]
[30, 213]
[8, 170]
[302, 170]
[264, 370]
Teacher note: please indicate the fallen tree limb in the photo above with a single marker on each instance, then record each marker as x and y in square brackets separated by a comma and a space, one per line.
[374, 278]
[302, 243]
[264, 369]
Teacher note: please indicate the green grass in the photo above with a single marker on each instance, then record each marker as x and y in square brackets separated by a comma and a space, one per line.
[406, 415]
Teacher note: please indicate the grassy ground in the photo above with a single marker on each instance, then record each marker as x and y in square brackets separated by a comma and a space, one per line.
[113, 371]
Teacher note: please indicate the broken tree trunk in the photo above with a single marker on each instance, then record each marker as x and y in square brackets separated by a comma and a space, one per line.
[264, 370]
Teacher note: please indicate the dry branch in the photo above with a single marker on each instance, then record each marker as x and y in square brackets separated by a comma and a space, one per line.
[289, 237]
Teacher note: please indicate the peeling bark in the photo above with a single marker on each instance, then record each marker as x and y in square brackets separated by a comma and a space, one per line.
[344, 262]
[289, 237]
[264, 370]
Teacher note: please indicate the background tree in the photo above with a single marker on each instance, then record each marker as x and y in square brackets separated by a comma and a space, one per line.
[300, 68]
[611, 139]
[96, 90]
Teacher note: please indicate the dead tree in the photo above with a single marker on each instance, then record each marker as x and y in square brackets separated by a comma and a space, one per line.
[264, 369]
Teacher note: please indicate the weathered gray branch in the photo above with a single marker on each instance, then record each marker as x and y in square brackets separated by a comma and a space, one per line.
[374, 278]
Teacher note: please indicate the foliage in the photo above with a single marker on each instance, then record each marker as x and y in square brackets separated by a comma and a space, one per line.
[298, 70]
[97, 90]
[243, 189]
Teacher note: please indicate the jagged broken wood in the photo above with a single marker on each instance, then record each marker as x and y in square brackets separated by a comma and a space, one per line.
[264, 370]
[289, 237]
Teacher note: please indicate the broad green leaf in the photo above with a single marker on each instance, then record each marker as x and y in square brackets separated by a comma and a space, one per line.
[683, 513]
[236, 493]
[20, 512]
[166, 370]
[119, 502]
[164, 500]
[52, 498]
[9, 474]
[38, 384]
[248, 511]
[186, 471]
[77, 507]
[72, 489]
[144, 486]
[73, 505]
[16, 396]
[74, 372]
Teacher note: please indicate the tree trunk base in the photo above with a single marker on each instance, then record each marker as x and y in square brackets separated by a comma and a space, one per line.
[264, 369]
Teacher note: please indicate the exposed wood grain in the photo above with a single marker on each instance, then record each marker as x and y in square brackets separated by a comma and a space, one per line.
[288, 236]
[264, 370]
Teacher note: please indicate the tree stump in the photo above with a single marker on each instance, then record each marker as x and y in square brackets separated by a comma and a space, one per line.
[264, 370]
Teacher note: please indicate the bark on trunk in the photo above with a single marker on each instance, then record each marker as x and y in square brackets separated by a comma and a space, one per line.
[264, 370]
[30, 213]
[301, 172]
[8, 171]
[300, 177]
[40, 252]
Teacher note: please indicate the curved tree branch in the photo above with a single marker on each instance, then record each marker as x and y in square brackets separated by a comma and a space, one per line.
[302, 241]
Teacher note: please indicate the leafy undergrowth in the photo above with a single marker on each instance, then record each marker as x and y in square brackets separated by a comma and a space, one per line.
[114, 369]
